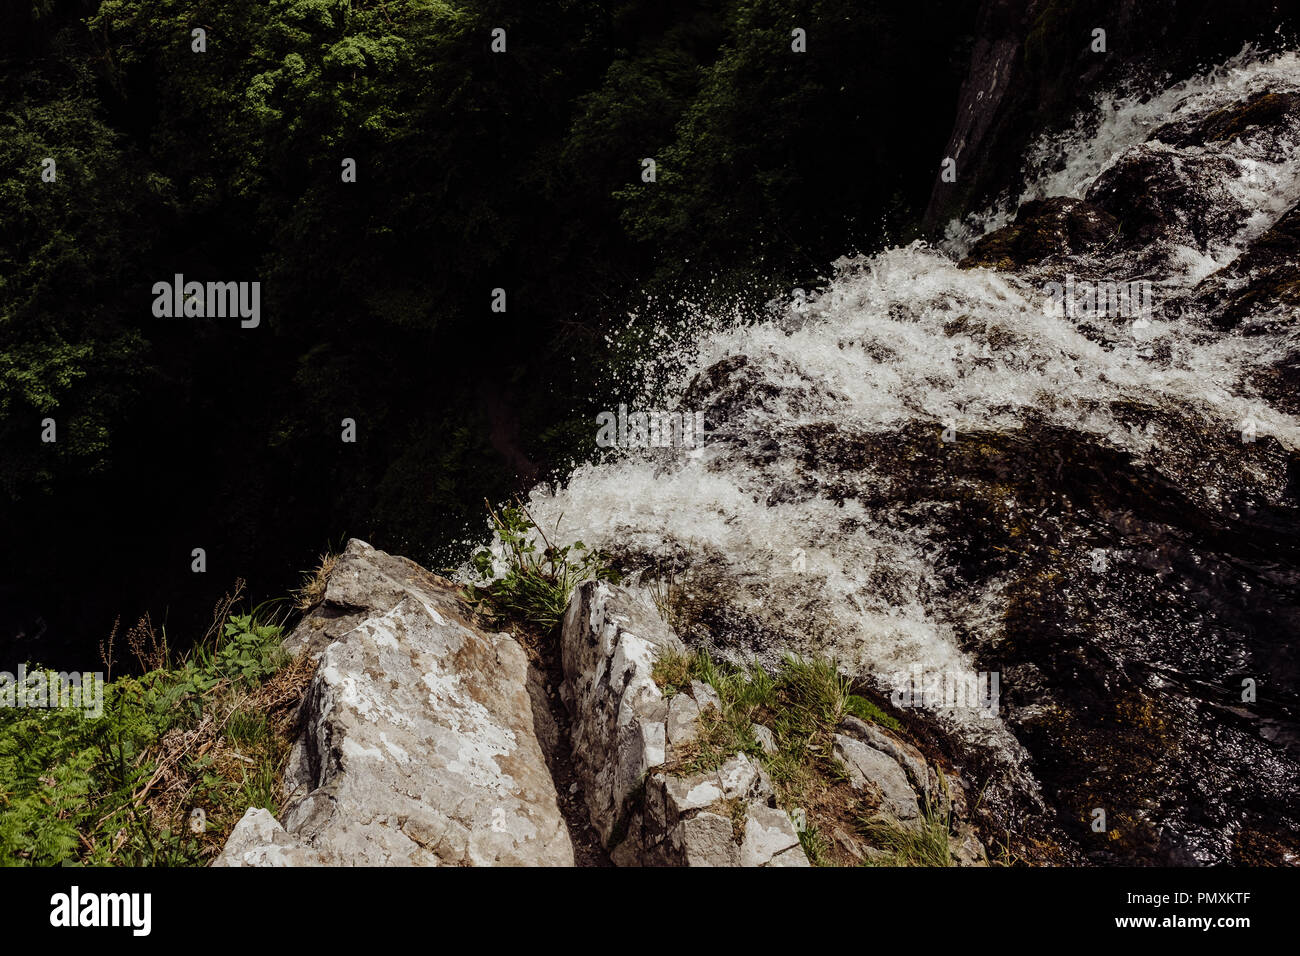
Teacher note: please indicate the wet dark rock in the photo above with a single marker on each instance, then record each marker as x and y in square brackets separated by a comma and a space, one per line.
[1263, 112]
[1126, 627]
[1261, 283]
[735, 388]
[1045, 229]
[1156, 193]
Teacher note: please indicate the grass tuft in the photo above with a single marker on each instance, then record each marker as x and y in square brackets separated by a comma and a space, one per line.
[815, 846]
[312, 591]
[802, 703]
[923, 845]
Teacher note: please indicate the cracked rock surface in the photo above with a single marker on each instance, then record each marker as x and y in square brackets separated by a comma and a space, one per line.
[419, 745]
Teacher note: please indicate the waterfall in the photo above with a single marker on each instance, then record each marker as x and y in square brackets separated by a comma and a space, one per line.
[925, 467]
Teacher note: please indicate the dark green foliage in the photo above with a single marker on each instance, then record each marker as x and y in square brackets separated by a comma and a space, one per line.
[841, 115]
[475, 171]
[69, 252]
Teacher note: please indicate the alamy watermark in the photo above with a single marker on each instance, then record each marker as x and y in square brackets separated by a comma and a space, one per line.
[209, 300]
[50, 690]
[74, 908]
[946, 690]
[1075, 298]
[649, 429]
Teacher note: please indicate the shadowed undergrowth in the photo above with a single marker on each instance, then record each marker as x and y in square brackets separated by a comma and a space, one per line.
[163, 768]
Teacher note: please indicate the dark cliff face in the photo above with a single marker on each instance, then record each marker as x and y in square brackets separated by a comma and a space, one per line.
[1032, 67]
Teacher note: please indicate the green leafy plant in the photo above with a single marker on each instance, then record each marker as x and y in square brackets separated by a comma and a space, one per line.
[535, 586]
[250, 652]
[815, 846]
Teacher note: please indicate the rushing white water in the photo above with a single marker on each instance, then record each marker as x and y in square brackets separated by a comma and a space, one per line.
[905, 339]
